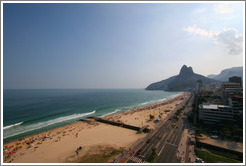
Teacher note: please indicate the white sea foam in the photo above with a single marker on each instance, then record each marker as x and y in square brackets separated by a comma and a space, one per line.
[157, 101]
[142, 104]
[9, 126]
[40, 125]
[151, 102]
[117, 110]
[175, 95]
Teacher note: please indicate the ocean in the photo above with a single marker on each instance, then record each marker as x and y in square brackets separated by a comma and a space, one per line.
[27, 112]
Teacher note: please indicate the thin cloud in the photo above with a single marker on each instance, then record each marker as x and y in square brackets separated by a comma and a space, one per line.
[223, 8]
[198, 31]
[228, 37]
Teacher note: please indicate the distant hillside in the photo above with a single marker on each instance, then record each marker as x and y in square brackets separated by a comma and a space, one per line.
[186, 79]
[225, 74]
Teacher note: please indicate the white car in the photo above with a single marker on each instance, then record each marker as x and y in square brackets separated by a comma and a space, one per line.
[199, 160]
[214, 136]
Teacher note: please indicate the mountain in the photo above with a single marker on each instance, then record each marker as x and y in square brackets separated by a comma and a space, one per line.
[186, 80]
[225, 74]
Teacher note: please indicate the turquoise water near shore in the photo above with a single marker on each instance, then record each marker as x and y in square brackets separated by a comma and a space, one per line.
[26, 112]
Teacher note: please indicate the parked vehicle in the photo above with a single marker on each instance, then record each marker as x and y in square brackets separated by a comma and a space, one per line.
[199, 160]
[139, 151]
[214, 136]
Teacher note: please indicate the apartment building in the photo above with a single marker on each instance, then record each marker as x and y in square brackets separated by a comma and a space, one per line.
[215, 114]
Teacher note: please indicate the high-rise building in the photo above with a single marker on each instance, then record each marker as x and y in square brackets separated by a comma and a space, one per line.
[198, 86]
[236, 79]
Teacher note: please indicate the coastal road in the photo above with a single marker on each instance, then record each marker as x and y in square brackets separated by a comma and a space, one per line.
[164, 140]
[169, 150]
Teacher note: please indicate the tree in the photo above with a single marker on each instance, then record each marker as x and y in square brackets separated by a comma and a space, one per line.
[151, 117]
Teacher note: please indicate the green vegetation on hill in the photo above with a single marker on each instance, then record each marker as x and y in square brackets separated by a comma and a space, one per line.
[212, 158]
[225, 154]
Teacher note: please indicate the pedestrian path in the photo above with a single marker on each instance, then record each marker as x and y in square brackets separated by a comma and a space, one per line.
[186, 152]
[187, 158]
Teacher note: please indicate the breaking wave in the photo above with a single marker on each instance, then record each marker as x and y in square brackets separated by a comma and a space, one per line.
[39, 125]
[9, 126]
[117, 110]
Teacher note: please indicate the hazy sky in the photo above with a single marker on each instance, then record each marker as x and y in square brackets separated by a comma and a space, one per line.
[117, 45]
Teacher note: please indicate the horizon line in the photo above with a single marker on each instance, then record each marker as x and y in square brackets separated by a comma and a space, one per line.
[64, 88]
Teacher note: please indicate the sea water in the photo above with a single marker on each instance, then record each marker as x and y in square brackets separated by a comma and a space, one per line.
[26, 112]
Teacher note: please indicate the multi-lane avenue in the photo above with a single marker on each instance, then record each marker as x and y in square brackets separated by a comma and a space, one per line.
[163, 140]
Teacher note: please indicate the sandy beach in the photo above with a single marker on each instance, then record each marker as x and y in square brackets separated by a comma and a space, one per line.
[88, 142]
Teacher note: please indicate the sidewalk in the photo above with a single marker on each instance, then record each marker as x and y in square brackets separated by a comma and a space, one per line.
[186, 152]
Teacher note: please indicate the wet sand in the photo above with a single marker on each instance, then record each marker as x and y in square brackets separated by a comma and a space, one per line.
[59, 145]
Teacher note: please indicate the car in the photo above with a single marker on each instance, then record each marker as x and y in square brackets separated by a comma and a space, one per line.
[214, 136]
[133, 151]
[139, 151]
[143, 157]
[199, 160]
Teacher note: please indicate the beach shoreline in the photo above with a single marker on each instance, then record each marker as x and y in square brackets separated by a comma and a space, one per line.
[48, 146]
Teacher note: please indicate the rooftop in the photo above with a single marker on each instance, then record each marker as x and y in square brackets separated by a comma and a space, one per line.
[214, 106]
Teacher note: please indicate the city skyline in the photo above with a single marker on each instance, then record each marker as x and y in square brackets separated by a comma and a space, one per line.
[123, 45]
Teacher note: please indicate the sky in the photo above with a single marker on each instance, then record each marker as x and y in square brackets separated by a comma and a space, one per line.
[56, 46]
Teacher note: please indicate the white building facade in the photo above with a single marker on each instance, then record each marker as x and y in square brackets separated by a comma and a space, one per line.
[215, 114]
